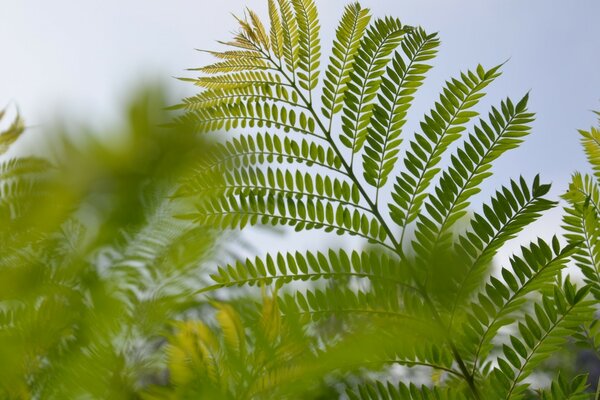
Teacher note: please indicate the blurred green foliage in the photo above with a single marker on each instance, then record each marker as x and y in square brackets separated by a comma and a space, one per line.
[93, 264]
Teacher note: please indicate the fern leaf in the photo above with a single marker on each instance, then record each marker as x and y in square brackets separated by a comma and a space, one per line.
[250, 114]
[345, 46]
[591, 144]
[236, 95]
[309, 45]
[233, 55]
[536, 270]
[542, 333]
[563, 389]
[21, 187]
[469, 168]
[238, 211]
[12, 133]
[260, 31]
[278, 182]
[276, 31]
[284, 268]
[318, 304]
[582, 227]
[381, 39]
[239, 79]
[232, 327]
[18, 168]
[234, 65]
[248, 150]
[401, 81]
[378, 390]
[512, 209]
[442, 127]
[289, 24]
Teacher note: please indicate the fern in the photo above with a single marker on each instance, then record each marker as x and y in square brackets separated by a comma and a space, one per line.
[442, 127]
[394, 100]
[93, 265]
[373, 54]
[581, 214]
[379, 390]
[439, 294]
[510, 211]
[541, 335]
[469, 168]
[10, 135]
[561, 388]
[348, 36]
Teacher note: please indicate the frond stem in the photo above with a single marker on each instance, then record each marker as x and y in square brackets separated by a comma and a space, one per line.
[324, 275]
[285, 192]
[299, 220]
[210, 166]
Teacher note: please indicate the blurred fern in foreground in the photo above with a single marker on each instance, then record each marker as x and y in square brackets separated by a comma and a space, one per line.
[93, 266]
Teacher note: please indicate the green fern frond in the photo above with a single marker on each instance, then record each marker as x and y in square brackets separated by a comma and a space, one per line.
[239, 79]
[380, 40]
[591, 144]
[535, 271]
[563, 389]
[400, 82]
[309, 45]
[291, 39]
[379, 390]
[276, 182]
[12, 133]
[233, 55]
[281, 269]
[511, 210]
[238, 211]
[469, 168]
[266, 148]
[217, 97]
[318, 304]
[260, 31]
[276, 31]
[156, 259]
[269, 82]
[582, 227]
[16, 168]
[543, 333]
[249, 114]
[345, 46]
[442, 127]
[21, 187]
[235, 65]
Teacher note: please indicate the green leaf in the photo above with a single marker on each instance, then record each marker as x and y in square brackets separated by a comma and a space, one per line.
[380, 40]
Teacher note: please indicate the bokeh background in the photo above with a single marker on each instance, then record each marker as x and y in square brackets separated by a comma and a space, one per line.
[78, 60]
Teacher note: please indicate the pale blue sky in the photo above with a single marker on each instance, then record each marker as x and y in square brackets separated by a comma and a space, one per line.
[80, 57]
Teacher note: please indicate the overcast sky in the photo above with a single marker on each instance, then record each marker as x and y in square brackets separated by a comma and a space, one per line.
[80, 57]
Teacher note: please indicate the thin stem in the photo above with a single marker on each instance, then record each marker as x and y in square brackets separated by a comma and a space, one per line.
[410, 364]
[236, 188]
[300, 159]
[301, 277]
[300, 220]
